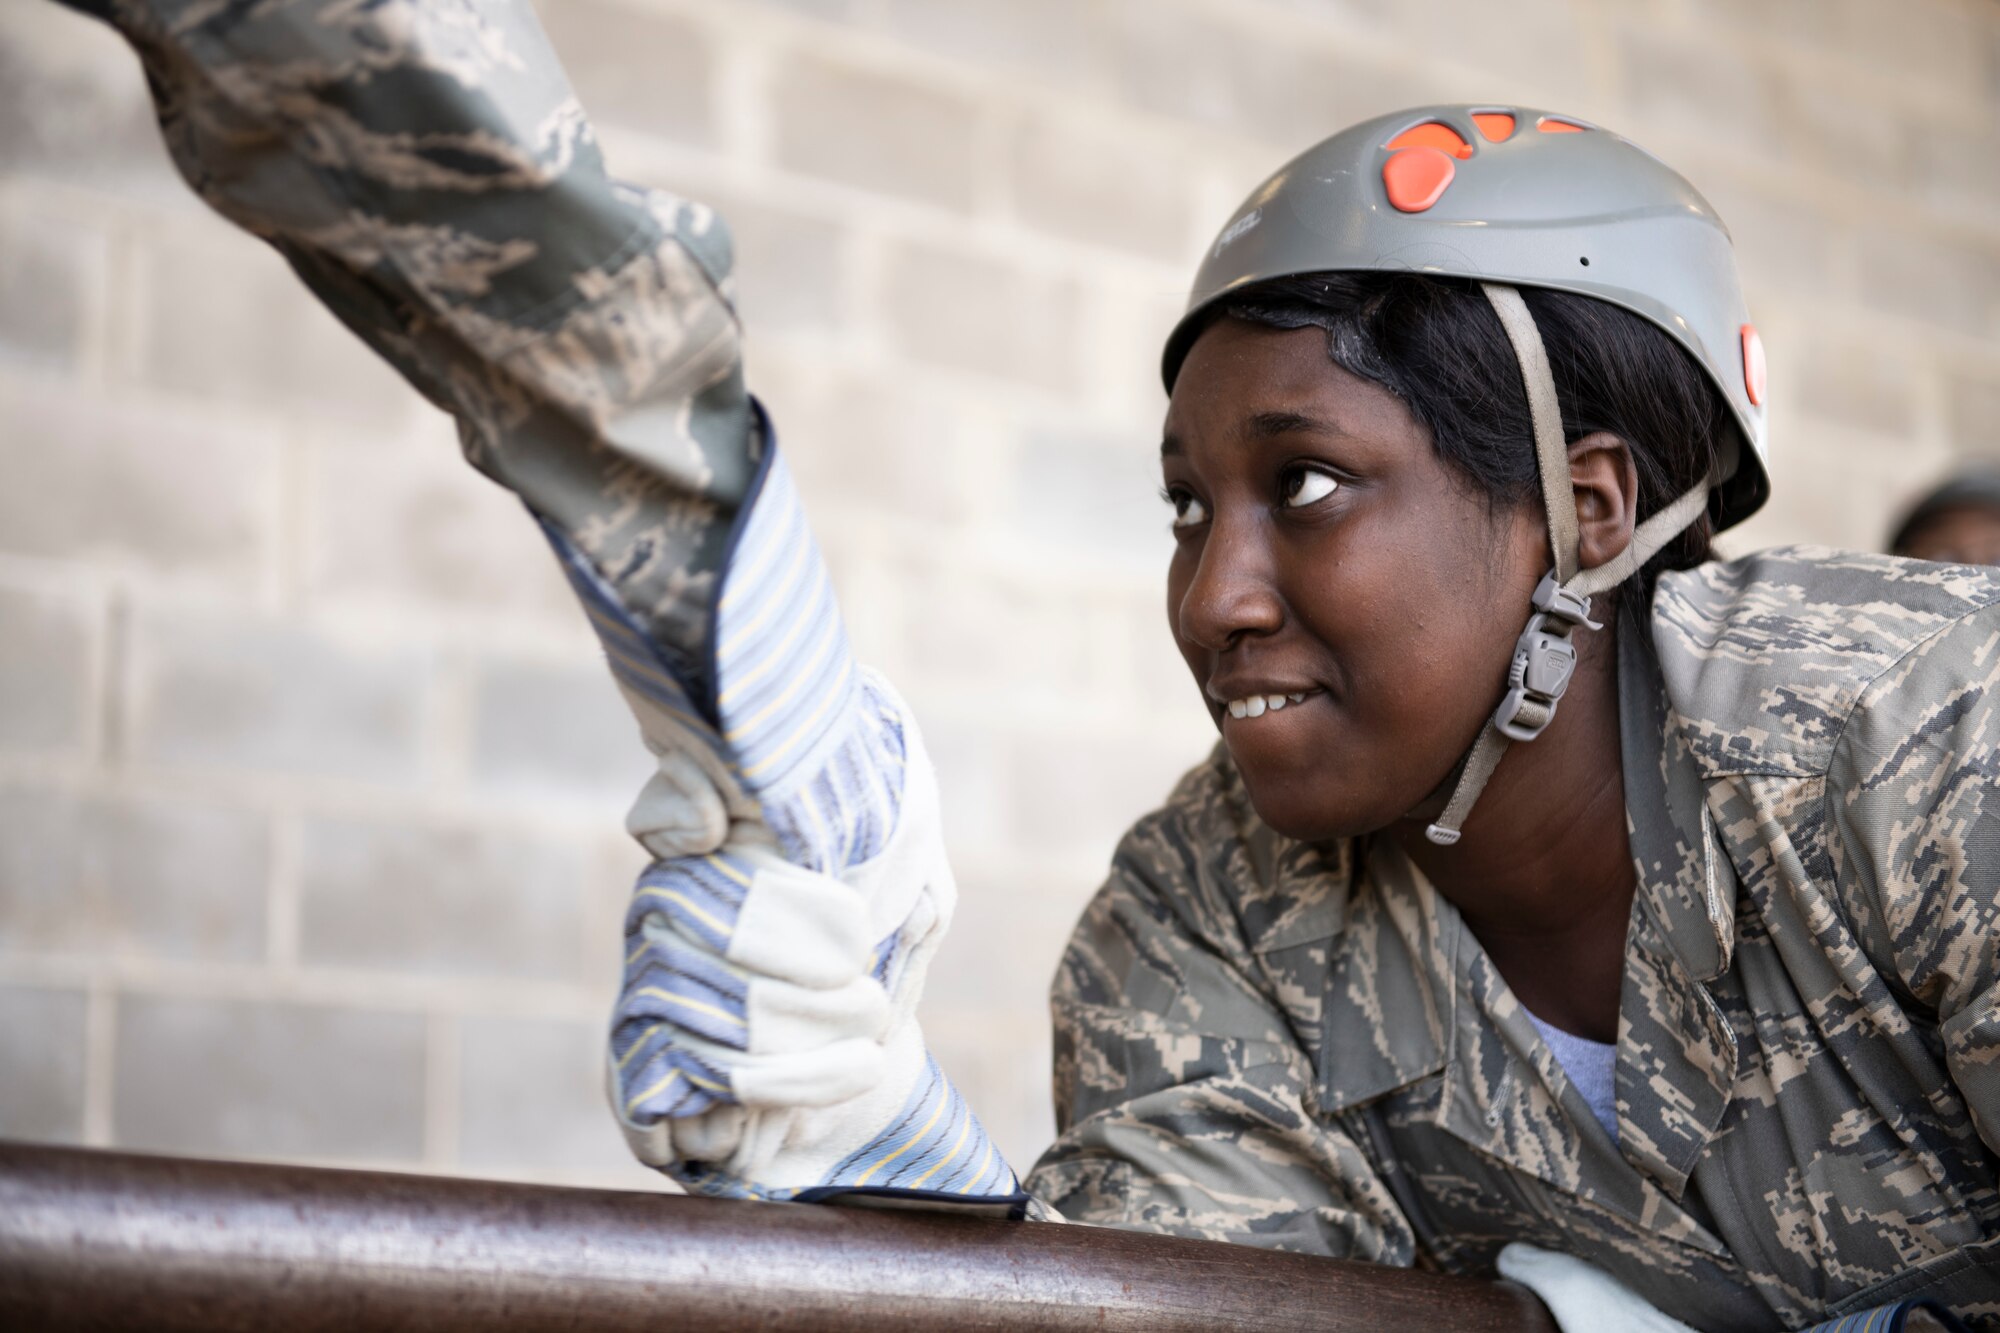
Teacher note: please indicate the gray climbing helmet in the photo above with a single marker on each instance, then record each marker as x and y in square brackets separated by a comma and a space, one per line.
[1511, 197]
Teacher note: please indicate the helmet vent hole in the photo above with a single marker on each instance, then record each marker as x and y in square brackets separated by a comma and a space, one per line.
[1432, 134]
[1584, 260]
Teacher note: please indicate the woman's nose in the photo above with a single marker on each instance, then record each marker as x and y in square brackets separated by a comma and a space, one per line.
[1232, 594]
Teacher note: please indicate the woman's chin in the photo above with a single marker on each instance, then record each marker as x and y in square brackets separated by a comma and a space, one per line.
[1312, 807]
[1314, 777]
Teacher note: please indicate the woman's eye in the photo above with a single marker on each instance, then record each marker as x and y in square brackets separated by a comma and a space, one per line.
[1305, 485]
[1188, 511]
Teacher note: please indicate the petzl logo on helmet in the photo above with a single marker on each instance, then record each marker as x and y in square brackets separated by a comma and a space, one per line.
[1238, 228]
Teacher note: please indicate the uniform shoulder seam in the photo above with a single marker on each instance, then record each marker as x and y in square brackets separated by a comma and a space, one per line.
[1827, 823]
[1915, 646]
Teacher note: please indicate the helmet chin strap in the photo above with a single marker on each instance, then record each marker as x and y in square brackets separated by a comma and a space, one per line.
[1545, 654]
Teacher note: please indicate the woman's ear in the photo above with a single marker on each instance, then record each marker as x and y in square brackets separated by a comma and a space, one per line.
[1606, 481]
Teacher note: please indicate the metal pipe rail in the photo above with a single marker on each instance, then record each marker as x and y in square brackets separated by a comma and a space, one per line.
[100, 1240]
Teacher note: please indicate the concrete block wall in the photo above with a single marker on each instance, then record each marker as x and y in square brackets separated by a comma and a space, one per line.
[310, 785]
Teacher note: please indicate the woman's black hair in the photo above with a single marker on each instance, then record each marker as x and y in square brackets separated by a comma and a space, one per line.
[1437, 344]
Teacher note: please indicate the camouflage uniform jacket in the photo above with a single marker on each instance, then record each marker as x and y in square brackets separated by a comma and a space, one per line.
[1302, 1046]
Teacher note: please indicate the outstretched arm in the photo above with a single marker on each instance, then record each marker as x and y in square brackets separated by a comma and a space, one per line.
[427, 171]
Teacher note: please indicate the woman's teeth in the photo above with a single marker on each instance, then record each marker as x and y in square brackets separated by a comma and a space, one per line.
[1259, 704]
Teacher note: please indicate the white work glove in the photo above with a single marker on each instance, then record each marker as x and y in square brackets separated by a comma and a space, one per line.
[1583, 1298]
[767, 1028]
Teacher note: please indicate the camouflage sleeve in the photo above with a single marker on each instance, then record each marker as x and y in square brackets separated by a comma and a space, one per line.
[428, 172]
[1183, 1098]
[1913, 805]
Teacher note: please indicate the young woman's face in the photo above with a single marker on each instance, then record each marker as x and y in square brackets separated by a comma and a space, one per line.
[1324, 557]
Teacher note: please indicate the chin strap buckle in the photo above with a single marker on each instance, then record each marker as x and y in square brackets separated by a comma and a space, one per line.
[1544, 661]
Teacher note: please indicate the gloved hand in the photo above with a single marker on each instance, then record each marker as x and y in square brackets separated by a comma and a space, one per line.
[1582, 1297]
[765, 1043]
[767, 1029]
